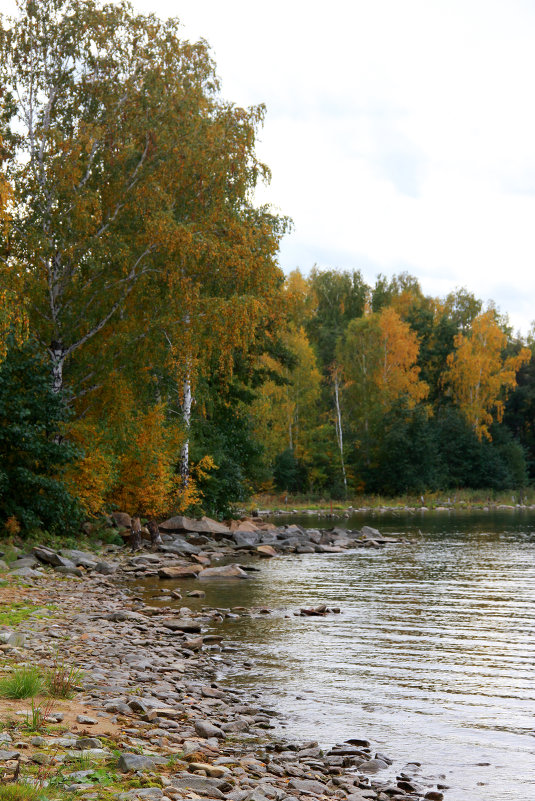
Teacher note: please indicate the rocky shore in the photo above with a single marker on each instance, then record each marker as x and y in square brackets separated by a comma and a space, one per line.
[149, 719]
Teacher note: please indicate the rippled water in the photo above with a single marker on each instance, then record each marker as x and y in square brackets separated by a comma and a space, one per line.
[432, 658]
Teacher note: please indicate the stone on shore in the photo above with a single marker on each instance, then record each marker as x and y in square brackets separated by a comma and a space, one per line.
[224, 572]
[206, 729]
[203, 526]
[191, 571]
[128, 762]
[266, 551]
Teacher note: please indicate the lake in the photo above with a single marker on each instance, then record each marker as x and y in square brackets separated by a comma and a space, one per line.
[432, 657]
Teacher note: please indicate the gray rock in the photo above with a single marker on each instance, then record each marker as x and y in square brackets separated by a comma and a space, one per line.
[224, 572]
[213, 788]
[91, 754]
[308, 786]
[180, 546]
[202, 526]
[80, 558]
[370, 533]
[88, 742]
[246, 538]
[106, 568]
[5, 756]
[128, 762]
[26, 572]
[206, 729]
[372, 766]
[24, 561]
[69, 571]
[47, 555]
[17, 639]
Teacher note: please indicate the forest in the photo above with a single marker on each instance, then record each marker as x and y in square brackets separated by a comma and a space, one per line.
[154, 355]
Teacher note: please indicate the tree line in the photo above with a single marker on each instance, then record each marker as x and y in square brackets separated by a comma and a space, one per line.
[153, 355]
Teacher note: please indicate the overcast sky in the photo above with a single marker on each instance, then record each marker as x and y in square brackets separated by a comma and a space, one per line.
[400, 133]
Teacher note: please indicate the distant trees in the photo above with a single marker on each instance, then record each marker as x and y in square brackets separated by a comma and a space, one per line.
[414, 390]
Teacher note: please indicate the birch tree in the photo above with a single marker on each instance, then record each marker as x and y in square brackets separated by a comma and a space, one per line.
[95, 90]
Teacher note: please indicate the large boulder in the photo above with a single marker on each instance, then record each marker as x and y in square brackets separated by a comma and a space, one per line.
[246, 539]
[367, 532]
[224, 572]
[203, 526]
[266, 551]
[48, 556]
[191, 571]
[80, 558]
[180, 546]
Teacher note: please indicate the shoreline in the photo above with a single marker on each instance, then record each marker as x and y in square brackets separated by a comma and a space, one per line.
[347, 512]
[156, 711]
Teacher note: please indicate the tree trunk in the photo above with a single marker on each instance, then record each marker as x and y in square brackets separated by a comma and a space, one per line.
[186, 416]
[57, 357]
[339, 430]
[154, 531]
[135, 534]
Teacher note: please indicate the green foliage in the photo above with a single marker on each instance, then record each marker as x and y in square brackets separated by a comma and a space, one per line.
[32, 453]
[224, 430]
[340, 297]
[24, 682]
[289, 473]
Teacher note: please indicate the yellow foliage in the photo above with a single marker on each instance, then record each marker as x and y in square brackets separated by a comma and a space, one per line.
[89, 478]
[147, 482]
[479, 376]
[398, 374]
[285, 413]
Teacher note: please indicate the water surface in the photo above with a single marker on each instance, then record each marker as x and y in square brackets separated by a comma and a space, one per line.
[432, 657]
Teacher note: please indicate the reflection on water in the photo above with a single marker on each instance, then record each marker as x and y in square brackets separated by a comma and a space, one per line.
[431, 659]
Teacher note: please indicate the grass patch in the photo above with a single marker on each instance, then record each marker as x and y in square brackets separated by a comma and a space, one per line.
[24, 682]
[62, 680]
[20, 791]
[14, 613]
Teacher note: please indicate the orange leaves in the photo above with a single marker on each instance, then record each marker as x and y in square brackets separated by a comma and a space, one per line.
[397, 373]
[147, 481]
[89, 479]
[378, 356]
[479, 375]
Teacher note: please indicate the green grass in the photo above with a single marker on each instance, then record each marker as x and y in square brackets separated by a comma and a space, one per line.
[20, 791]
[14, 613]
[24, 682]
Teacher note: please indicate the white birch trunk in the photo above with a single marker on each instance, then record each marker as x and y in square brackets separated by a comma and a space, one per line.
[57, 357]
[339, 429]
[186, 416]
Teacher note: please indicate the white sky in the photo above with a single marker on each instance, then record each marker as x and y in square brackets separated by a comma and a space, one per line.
[400, 133]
